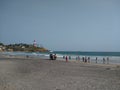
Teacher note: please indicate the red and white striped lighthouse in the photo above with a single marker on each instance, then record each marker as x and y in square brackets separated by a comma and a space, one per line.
[34, 43]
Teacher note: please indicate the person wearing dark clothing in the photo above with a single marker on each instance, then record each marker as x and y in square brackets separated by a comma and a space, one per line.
[88, 59]
[66, 59]
[107, 60]
[54, 56]
[96, 59]
[103, 60]
[83, 59]
[69, 57]
[51, 56]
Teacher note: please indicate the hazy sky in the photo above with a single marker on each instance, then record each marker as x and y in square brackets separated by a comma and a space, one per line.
[80, 25]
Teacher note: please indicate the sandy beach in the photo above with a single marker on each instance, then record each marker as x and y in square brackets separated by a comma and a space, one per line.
[37, 74]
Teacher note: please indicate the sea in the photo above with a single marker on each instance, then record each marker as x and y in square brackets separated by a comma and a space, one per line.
[114, 57]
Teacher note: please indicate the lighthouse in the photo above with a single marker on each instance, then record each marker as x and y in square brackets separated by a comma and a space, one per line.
[34, 43]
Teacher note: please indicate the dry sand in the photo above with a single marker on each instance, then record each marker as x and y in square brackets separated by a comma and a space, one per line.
[38, 74]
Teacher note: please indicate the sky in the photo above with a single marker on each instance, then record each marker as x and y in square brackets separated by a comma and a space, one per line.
[62, 25]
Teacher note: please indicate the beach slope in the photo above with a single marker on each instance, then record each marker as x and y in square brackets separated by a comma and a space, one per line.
[38, 74]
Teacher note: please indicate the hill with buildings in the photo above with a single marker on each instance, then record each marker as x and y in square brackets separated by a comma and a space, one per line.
[22, 47]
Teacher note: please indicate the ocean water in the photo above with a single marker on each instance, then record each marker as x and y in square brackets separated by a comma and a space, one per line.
[89, 53]
[114, 57]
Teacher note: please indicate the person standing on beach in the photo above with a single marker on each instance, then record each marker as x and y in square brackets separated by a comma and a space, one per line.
[96, 59]
[69, 57]
[66, 59]
[63, 57]
[54, 56]
[51, 56]
[103, 60]
[83, 59]
[88, 59]
[78, 57]
[107, 60]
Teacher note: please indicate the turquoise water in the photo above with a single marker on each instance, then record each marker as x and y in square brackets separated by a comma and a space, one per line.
[88, 53]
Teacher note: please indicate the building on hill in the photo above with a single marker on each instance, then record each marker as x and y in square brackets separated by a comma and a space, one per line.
[2, 48]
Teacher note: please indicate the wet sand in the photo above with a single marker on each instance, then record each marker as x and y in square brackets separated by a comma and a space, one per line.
[37, 74]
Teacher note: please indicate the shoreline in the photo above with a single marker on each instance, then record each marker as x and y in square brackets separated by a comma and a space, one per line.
[63, 60]
[112, 59]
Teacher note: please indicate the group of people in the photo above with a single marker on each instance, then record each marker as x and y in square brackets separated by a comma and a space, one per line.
[104, 60]
[87, 59]
[84, 59]
[67, 57]
[53, 56]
